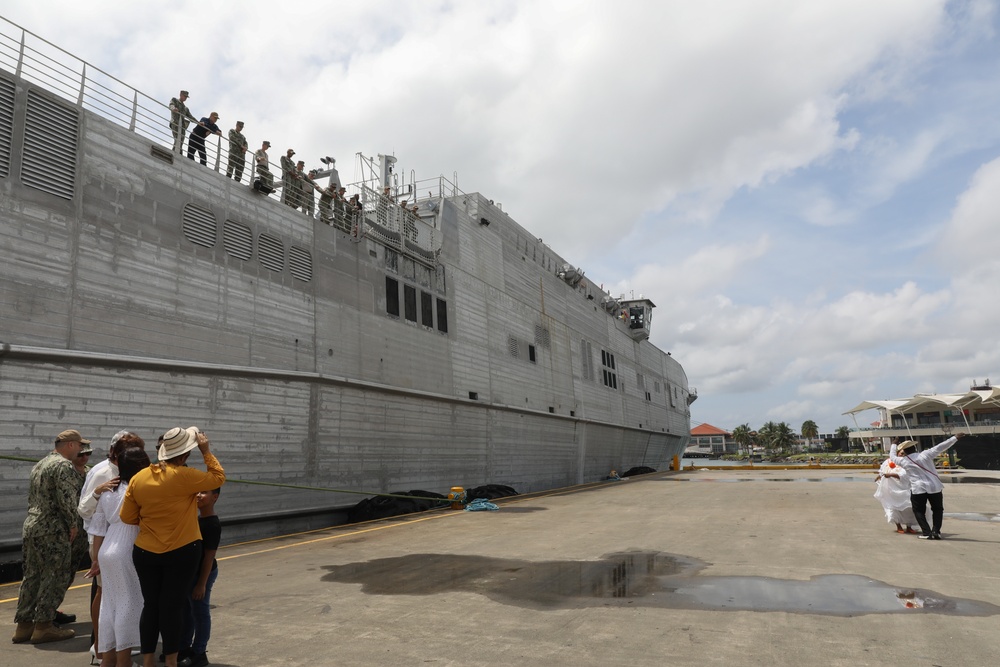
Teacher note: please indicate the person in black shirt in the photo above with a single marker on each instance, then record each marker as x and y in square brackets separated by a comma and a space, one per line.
[196, 142]
[197, 616]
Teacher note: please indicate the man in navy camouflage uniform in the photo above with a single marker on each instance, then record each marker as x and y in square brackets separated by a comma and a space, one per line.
[47, 538]
[238, 148]
[179, 118]
[289, 180]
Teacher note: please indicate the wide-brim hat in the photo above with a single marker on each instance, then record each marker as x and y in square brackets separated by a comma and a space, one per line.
[906, 444]
[177, 441]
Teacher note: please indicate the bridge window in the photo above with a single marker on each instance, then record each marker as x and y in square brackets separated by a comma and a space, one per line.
[392, 296]
[410, 302]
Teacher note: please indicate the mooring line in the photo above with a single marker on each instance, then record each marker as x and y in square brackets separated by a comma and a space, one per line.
[301, 487]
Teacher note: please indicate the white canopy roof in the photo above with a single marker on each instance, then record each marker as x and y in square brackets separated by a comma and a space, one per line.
[891, 404]
[930, 401]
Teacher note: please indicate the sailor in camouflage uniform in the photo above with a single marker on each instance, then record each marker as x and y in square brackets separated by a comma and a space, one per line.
[179, 118]
[307, 189]
[289, 180]
[47, 539]
[238, 148]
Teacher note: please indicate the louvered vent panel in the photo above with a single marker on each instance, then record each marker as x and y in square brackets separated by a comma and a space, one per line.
[300, 263]
[6, 125]
[200, 227]
[542, 338]
[48, 162]
[512, 346]
[238, 240]
[271, 253]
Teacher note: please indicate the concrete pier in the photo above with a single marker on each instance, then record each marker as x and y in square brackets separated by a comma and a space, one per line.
[764, 567]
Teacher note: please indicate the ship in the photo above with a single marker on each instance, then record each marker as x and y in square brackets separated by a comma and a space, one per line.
[377, 349]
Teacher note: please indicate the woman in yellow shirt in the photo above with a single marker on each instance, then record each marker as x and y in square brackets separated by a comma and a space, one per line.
[161, 500]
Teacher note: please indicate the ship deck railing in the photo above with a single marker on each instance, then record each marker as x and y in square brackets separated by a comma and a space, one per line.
[37, 61]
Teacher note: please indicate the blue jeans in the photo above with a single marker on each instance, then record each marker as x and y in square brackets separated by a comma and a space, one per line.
[198, 619]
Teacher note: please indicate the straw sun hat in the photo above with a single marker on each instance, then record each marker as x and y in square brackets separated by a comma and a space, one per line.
[178, 441]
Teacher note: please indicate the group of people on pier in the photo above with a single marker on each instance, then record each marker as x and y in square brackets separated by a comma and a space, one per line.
[152, 555]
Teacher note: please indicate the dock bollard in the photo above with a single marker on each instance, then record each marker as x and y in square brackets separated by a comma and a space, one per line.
[456, 492]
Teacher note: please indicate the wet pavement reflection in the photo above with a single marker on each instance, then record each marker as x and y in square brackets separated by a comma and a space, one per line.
[848, 478]
[973, 516]
[650, 579]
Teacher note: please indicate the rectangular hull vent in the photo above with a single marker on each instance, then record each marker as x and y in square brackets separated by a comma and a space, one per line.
[300, 263]
[270, 253]
[6, 124]
[200, 227]
[48, 161]
[238, 240]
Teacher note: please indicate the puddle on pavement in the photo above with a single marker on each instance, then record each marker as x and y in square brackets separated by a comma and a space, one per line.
[727, 480]
[648, 579]
[973, 516]
[970, 480]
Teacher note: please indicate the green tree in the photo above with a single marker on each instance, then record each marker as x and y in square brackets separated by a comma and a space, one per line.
[766, 436]
[744, 438]
[784, 438]
[809, 431]
[843, 433]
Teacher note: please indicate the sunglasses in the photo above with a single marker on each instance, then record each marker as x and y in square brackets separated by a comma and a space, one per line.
[82, 454]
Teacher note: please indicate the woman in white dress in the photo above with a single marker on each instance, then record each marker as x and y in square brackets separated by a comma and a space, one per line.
[121, 602]
[894, 493]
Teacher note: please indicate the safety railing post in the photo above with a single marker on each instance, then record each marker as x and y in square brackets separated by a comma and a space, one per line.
[83, 85]
[20, 56]
[135, 110]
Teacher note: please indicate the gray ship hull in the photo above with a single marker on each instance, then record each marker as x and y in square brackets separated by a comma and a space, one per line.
[140, 290]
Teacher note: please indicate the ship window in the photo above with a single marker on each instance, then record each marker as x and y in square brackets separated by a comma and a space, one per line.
[199, 225]
[237, 239]
[410, 302]
[442, 308]
[607, 375]
[300, 263]
[48, 160]
[392, 296]
[531, 353]
[426, 309]
[6, 124]
[270, 252]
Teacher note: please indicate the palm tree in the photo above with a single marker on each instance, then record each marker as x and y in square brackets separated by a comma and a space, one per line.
[843, 433]
[809, 431]
[784, 438]
[743, 437]
[767, 435]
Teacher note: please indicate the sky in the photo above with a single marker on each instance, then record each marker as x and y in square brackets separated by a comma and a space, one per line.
[808, 191]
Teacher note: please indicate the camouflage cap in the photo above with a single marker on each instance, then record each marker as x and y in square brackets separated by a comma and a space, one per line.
[71, 435]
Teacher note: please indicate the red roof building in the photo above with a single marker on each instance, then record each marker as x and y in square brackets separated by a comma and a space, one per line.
[708, 439]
